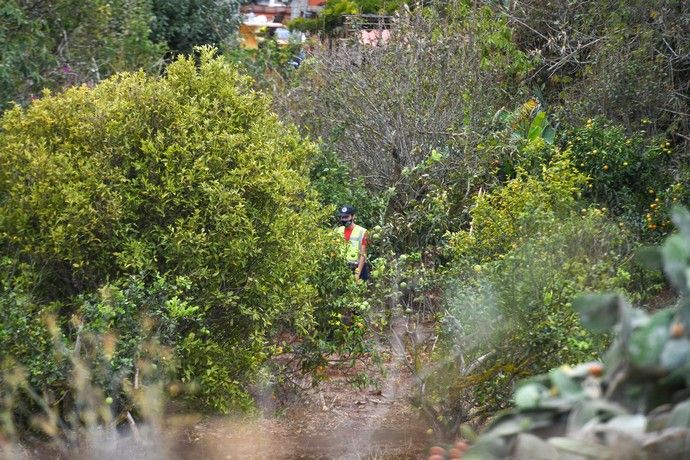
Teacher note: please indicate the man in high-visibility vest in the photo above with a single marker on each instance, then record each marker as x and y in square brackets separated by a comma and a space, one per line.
[355, 243]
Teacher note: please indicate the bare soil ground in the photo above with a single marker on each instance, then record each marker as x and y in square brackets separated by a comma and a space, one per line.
[336, 421]
[352, 424]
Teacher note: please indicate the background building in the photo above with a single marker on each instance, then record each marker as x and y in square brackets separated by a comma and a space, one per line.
[283, 10]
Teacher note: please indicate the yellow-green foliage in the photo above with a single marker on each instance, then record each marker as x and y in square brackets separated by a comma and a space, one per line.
[519, 305]
[631, 173]
[531, 248]
[503, 219]
[186, 175]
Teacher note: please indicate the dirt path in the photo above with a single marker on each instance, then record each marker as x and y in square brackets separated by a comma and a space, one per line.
[337, 421]
[334, 421]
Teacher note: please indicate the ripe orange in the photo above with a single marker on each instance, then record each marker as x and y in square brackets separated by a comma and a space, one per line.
[596, 370]
[677, 329]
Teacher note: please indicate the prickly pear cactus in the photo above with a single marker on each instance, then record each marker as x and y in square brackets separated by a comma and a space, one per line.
[635, 404]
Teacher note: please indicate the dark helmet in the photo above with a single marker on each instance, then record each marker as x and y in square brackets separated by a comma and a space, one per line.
[346, 209]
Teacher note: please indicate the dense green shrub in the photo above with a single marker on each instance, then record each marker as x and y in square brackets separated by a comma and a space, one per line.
[631, 174]
[64, 377]
[334, 182]
[634, 176]
[189, 175]
[268, 66]
[308, 25]
[529, 289]
[633, 404]
[184, 24]
[508, 311]
[25, 337]
[67, 42]
[523, 139]
[514, 318]
[51, 45]
[525, 205]
[331, 17]
[22, 37]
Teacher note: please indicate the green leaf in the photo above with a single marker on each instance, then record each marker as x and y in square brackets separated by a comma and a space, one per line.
[529, 395]
[683, 307]
[681, 217]
[586, 410]
[567, 387]
[580, 447]
[598, 312]
[632, 425]
[487, 448]
[669, 443]
[680, 415]
[536, 127]
[510, 426]
[676, 353]
[647, 343]
[530, 447]
[549, 134]
[514, 423]
[675, 254]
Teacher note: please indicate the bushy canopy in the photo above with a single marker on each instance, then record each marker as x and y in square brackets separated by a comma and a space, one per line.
[189, 175]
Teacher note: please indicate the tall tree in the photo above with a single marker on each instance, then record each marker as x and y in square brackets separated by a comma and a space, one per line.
[52, 44]
[183, 24]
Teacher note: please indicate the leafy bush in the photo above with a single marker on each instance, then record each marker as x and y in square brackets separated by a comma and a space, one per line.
[24, 333]
[309, 25]
[525, 205]
[51, 45]
[72, 390]
[334, 182]
[633, 404]
[625, 60]
[184, 24]
[67, 42]
[630, 174]
[332, 14]
[189, 176]
[268, 66]
[513, 317]
[333, 10]
[508, 309]
[523, 139]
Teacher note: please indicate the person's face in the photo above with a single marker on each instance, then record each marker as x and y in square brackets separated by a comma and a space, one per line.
[346, 219]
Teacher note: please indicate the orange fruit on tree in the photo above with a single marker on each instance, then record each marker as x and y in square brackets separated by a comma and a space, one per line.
[677, 329]
[596, 370]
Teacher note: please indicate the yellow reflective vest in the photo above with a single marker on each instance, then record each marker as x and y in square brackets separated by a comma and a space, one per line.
[352, 249]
